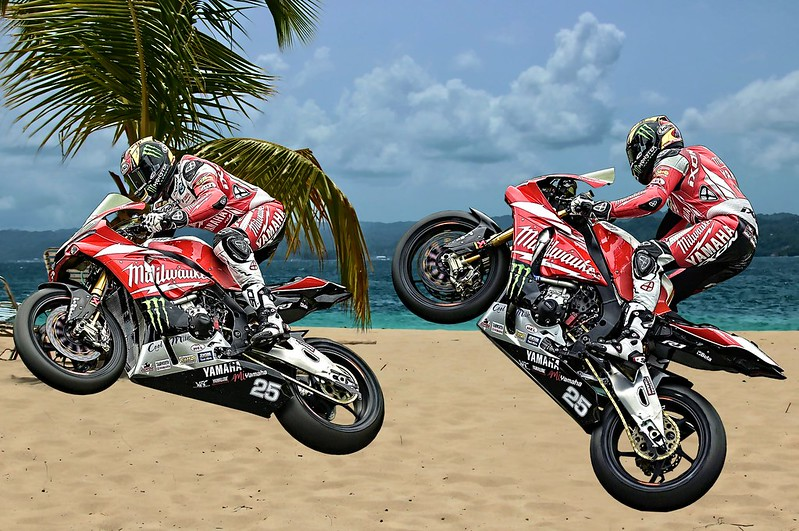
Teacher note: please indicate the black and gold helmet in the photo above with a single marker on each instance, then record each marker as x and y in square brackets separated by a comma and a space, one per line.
[149, 166]
[646, 140]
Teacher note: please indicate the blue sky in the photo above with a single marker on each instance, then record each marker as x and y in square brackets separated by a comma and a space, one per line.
[418, 106]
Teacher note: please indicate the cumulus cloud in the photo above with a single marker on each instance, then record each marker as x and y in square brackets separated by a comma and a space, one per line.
[398, 125]
[400, 120]
[315, 68]
[467, 60]
[566, 102]
[40, 190]
[766, 111]
[272, 62]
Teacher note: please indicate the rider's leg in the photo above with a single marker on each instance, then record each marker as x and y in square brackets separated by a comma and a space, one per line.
[264, 227]
[649, 258]
[709, 252]
[233, 246]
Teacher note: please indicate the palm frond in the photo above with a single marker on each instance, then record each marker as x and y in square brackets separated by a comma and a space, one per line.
[310, 197]
[78, 67]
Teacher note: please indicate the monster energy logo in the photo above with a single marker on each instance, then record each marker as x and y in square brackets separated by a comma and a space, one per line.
[155, 310]
[520, 274]
[151, 150]
[646, 131]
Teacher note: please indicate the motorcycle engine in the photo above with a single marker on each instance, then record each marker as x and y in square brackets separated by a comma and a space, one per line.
[576, 309]
[205, 315]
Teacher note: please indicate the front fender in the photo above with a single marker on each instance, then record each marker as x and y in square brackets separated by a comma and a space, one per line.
[80, 298]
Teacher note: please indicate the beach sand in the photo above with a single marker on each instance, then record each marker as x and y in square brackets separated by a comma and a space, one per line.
[469, 442]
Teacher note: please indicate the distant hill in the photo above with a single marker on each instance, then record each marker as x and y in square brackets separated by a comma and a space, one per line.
[779, 236]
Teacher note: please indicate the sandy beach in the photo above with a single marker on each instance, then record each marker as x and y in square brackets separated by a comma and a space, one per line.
[469, 442]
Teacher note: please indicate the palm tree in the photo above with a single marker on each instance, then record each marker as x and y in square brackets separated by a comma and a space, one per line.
[171, 69]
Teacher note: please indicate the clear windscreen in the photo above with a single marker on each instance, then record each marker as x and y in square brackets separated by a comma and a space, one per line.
[109, 202]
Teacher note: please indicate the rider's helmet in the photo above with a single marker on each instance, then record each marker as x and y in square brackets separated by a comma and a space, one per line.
[149, 166]
[646, 140]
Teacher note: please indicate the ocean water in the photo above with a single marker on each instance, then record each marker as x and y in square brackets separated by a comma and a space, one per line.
[764, 297]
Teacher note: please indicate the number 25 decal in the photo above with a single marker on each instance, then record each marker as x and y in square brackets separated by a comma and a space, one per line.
[265, 389]
[578, 402]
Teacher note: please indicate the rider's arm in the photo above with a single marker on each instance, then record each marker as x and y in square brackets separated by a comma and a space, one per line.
[652, 198]
[210, 197]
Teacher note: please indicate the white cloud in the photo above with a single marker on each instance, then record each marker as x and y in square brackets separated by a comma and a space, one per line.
[397, 127]
[467, 60]
[763, 116]
[399, 121]
[314, 69]
[272, 62]
[566, 103]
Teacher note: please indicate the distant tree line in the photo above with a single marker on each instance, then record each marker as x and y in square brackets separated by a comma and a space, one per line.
[779, 236]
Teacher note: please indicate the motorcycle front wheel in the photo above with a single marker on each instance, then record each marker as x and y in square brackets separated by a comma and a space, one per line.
[333, 427]
[55, 356]
[688, 471]
[422, 282]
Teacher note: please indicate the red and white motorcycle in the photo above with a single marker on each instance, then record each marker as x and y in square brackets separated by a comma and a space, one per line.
[656, 444]
[167, 311]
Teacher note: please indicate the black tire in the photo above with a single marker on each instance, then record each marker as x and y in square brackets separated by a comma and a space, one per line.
[702, 447]
[427, 292]
[49, 362]
[306, 417]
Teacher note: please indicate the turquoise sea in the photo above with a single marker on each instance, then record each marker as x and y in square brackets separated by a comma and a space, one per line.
[764, 297]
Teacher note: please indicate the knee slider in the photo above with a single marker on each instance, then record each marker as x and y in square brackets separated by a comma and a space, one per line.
[235, 244]
[649, 258]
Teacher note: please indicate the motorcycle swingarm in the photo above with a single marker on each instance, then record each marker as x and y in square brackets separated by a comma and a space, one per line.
[299, 354]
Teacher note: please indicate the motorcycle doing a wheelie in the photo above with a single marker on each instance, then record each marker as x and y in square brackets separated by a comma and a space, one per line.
[549, 305]
[168, 312]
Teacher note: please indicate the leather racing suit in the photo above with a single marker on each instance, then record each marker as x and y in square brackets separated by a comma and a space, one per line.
[708, 235]
[248, 222]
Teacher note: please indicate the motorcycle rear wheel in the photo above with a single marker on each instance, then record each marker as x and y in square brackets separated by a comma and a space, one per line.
[426, 290]
[691, 470]
[54, 356]
[325, 426]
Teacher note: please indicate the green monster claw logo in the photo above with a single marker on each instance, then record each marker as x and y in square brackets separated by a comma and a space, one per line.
[520, 274]
[151, 150]
[646, 131]
[155, 310]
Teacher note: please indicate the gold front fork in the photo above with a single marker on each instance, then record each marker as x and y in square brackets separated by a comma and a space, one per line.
[97, 294]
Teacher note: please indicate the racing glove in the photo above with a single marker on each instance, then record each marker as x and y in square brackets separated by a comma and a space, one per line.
[582, 205]
[158, 221]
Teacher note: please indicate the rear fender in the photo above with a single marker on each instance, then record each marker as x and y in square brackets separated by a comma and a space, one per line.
[301, 296]
[710, 348]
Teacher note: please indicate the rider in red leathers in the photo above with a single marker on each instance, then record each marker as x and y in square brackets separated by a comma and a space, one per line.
[247, 221]
[709, 233]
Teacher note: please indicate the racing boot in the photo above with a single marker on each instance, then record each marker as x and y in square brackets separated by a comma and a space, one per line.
[629, 345]
[270, 326]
